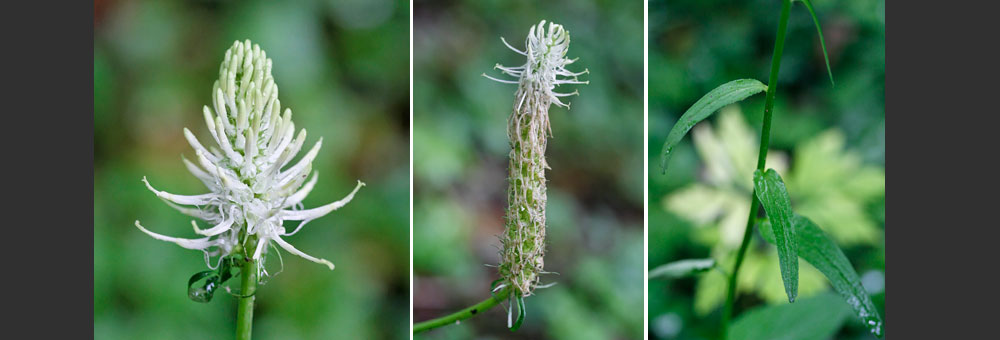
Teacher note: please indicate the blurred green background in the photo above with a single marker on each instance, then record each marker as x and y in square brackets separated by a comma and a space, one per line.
[828, 142]
[342, 67]
[595, 238]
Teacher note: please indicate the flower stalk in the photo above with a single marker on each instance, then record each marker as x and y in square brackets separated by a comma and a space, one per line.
[765, 136]
[244, 311]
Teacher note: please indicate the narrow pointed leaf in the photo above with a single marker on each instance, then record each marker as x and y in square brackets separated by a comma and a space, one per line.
[723, 95]
[821, 252]
[213, 280]
[773, 196]
[821, 42]
[520, 314]
[682, 268]
[206, 291]
[493, 288]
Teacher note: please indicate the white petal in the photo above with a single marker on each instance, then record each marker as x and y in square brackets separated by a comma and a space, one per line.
[218, 229]
[195, 144]
[225, 175]
[280, 130]
[210, 123]
[290, 249]
[226, 146]
[574, 93]
[220, 109]
[545, 285]
[291, 150]
[203, 176]
[300, 195]
[234, 184]
[242, 122]
[510, 312]
[570, 81]
[565, 72]
[251, 147]
[501, 80]
[181, 199]
[555, 100]
[278, 148]
[512, 47]
[301, 215]
[194, 212]
[286, 176]
[197, 244]
[260, 248]
[499, 287]
[293, 185]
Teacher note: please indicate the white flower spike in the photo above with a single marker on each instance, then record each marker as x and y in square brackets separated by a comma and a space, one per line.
[250, 195]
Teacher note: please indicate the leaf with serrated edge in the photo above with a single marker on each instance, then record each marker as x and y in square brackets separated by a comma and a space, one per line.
[821, 252]
[773, 196]
[723, 95]
[682, 268]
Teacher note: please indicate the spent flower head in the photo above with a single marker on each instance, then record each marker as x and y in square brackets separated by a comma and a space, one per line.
[252, 190]
[528, 130]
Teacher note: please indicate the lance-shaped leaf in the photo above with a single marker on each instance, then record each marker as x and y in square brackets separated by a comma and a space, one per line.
[682, 268]
[814, 318]
[520, 314]
[723, 95]
[821, 42]
[820, 251]
[773, 196]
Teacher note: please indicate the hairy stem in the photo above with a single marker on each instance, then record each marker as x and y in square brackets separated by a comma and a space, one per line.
[765, 136]
[248, 282]
[462, 314]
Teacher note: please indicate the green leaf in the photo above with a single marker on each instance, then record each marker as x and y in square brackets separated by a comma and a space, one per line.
[820, 251]
[682, 268]
[520, 314]
[723, 95]
[813, 318]
[205, 292]
[213, 280]
[773, 196]
[821, 42]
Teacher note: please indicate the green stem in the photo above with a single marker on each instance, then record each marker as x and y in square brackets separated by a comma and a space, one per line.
[248, 281]
[462, 314]
[765, 137]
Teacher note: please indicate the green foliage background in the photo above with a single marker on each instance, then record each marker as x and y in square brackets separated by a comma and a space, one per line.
[595, 239]
[342, 67]
[829, 142]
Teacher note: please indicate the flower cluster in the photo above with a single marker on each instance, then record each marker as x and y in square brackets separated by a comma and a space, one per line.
[528, 130]
[252, 188]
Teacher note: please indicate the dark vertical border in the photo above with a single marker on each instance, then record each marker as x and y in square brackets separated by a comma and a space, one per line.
[47, 119]
[941, 101]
